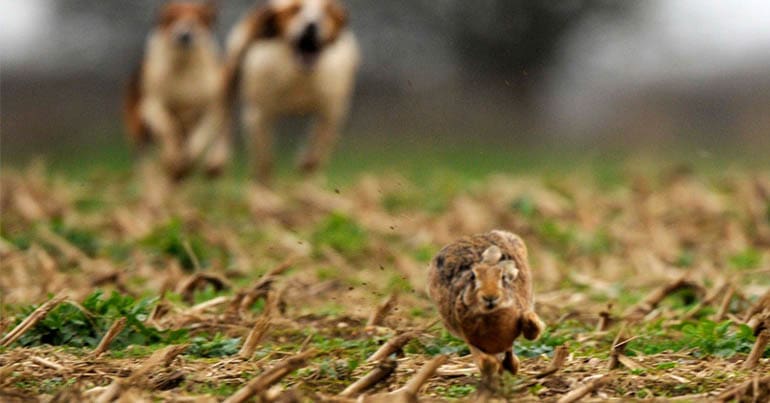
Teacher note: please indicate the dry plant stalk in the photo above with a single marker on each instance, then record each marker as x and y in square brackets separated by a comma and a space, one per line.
[618, 347]
[559, 358]
[762, 304]
[31, 320]
[763, 338]
[188, 286]
[740, 390]
[270, 377]
[71, 252]
[725, 304]
[5, 371]
[584, 390]
[391, 346]
[408, 393]
[47, 363]
[654, 298]
[264, 285]
[605, 320]
[426, 372]
[255, 336]
[189, 250]
[708, 300]
[629, 362]
[266, 280]
[233, 309]
[379, 314]
[111, 334]
[206, 305]
[380, 372]
[27, 206]
[160, 358]
[617, 355]
[283, 266]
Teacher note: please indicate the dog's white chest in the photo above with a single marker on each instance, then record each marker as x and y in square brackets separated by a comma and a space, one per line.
[194, 85]
[275, 80]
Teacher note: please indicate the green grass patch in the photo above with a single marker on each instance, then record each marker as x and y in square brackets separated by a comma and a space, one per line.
[748, 259]
[702, 338]
[342, 234]
[84, 240]
[173, 240]
[70, 325]
[455, 391]
[218, 346]
[445, 343]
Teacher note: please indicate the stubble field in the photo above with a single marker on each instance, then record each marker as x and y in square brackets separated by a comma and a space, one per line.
[654, 283]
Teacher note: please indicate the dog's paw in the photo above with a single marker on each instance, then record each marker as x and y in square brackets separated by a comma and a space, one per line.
[177, 169]
[309, 163]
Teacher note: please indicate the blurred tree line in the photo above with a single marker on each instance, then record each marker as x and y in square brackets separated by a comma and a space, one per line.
[433, 64]
[490, 41]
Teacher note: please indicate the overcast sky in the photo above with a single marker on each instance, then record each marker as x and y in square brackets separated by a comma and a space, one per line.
[676, 42]
[21, 24]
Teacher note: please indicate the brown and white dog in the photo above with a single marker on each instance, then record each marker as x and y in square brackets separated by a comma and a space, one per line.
[292, 57]
[173, 96]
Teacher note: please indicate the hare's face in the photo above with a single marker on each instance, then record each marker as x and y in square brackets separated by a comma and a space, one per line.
[492, 281]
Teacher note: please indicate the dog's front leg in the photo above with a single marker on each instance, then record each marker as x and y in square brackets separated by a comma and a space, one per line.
[167, 133]
[259, 128]
[321, 142]
[219, 153]
[211, 138]
[202, 136]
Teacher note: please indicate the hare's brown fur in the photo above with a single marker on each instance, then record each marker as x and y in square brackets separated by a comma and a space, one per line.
[482, 285]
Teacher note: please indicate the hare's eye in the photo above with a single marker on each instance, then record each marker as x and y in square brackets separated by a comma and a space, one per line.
[472, 275]
[440, 261]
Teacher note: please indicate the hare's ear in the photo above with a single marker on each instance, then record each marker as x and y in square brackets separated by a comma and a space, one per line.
[492, 255]
[510, 269]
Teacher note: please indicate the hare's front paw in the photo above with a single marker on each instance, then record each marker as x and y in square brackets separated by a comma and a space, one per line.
[531, 325]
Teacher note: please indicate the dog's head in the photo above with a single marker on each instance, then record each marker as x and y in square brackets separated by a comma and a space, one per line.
[186, 23]
[308, 26]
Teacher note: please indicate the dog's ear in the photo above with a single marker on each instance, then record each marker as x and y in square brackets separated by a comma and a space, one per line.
[338, 13]
[166, 15]
[265, 23]
[210, 12]
[339, 17]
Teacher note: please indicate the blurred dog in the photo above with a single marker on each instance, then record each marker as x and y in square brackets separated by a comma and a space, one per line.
[292, 57]
[172, 96]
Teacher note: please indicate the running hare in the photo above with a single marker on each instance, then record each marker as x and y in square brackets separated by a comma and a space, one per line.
[482, 285]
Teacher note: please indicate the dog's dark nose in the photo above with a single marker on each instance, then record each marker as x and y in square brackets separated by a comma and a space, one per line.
[308, 41]
[184, 38]
[490, 301]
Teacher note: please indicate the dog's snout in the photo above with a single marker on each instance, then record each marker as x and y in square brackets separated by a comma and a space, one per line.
[311, 31]
[490, 301]
[308, 41]
[184, 38]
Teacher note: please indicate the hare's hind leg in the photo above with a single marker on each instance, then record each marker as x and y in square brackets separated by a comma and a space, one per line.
[511, 362]
[531, 325]
[488, 366]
